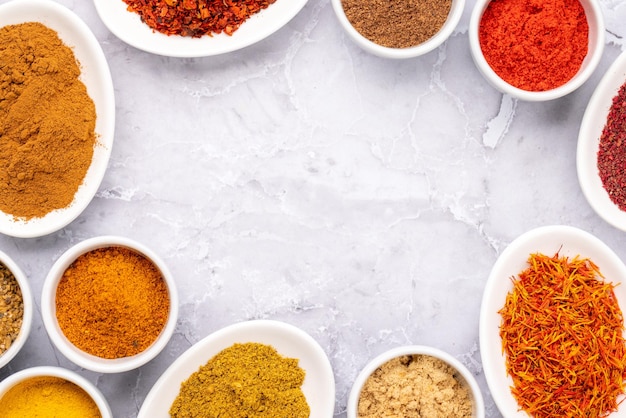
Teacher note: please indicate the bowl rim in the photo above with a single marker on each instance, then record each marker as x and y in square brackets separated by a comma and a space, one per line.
[454, 16]
[74, 354]
[595, 20]
[53, 371]
[384, 357]
[27, 316]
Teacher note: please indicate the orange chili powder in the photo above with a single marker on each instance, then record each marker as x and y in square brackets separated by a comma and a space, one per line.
[534, 45]
[112, 302]
[562, 333]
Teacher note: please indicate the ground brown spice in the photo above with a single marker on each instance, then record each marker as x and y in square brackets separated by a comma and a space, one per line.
[397, 23]
[416, 386]
[11, 308]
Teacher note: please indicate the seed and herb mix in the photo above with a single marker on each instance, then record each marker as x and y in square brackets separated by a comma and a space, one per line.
[11, 308]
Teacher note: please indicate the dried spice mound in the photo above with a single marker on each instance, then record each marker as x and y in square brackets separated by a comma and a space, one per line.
[562, 333]
[397, 23]
[612, 151]
[196, 18]
[11, 308]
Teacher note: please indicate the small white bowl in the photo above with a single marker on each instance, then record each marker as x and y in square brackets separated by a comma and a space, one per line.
[96, 76]
[567, 241]
[288, 340]
[74, 354]
[47, 371]
[477, 397]
[27, 319]
[591, 128]
[595, 21]
[456, 11]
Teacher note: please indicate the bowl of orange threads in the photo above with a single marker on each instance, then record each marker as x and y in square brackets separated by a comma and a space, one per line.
[109, 304]
[551, 326]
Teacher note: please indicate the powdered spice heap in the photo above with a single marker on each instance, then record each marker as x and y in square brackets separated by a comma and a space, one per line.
[196, 18]
[414, 386]
[612, 151]
[47, 122]
[112, 302]
[397, 23]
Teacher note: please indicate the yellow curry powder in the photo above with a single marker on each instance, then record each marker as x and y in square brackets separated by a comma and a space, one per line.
[112, 302]
[47, 397]
[47, 122]
[244, 381]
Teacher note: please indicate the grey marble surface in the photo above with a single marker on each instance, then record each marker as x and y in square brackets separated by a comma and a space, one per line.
[301, 179]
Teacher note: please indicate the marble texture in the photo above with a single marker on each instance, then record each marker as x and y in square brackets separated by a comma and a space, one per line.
[301, 179]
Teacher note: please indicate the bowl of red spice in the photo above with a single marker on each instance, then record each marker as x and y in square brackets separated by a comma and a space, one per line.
[398, 28]
[16, 309]
[552, 328]
[109, 304]
[601, 151]
[415, 380]
[536, 50]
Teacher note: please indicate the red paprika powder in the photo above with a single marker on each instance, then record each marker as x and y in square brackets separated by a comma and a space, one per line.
[196, 18]
[534, 45]
[612, 151]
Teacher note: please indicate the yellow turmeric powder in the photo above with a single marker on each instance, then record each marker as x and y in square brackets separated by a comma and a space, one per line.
[47, 397]
[47, 122]
[248, 380]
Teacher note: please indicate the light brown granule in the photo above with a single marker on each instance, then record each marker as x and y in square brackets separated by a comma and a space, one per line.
[11, 308]
[415, 386]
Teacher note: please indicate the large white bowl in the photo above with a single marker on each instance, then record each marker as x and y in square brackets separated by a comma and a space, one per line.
[289, 341]
[567, 241]
[456, 11]
[96, 76]
[27, 319]
[477, 397]
[591, 127]
[69, 350]
[70, 376]
[595, 20]
[129, 28]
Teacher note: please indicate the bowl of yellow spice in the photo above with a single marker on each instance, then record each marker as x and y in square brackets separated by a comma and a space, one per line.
[398, 29]
[257, 368]
[16, 309]
[109, 304]
[51, 392]
[415, 381]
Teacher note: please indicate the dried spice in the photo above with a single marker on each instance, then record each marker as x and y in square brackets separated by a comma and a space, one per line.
[11, 308]
[196, 18]
[47, 122]
[112, 302]
[397, 23]
[534, 45]
[612, 151]
[562, 333]
[244, 381]
[415, 386]
[47, 397]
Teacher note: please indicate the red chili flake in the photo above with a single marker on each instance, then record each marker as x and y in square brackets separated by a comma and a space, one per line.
[196, 18]
[612, 151]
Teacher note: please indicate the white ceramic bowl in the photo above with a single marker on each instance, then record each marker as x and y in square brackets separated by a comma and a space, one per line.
[79, 357]
[97, 78]
[591, 127]
[595, 21]
[456, 11]
[289, 341]
[567, 241]
[129, 28]
[27, 319]
[357, 387]
[47, 371]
